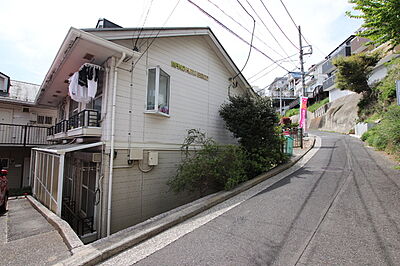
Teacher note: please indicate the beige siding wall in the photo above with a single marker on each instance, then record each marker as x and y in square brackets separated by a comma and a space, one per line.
[194, 103]
[14, 111]
[138, 196]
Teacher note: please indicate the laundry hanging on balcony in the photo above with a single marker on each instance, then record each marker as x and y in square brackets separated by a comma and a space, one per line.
[83, 83]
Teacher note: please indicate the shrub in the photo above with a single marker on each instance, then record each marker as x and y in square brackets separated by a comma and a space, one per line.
[292, 112]
[285, 121]
[254, 123]
[212, 167]
[317, 105]
[386, 135]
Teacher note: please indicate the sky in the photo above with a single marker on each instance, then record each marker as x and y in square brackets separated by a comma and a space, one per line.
[32, 31]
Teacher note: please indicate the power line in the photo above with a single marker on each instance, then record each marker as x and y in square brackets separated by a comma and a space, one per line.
[280, 60]
[272, 35]
[243, 27]
[235, 34]
[294, 23]
[251, 42]
[263, 75]
[276, 23]
[147, 48]
[144, 22]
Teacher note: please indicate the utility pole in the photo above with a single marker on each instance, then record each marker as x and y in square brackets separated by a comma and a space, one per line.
[303, 84]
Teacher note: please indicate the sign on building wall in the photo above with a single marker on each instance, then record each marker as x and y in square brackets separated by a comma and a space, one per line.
[303, 112]
[189, 70]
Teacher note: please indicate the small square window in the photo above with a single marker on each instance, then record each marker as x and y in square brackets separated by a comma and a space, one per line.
[48, 120]
[40, 119]
[158, 90]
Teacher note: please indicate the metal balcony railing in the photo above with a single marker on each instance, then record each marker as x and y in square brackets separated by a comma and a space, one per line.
[85, 118]
[25, 135]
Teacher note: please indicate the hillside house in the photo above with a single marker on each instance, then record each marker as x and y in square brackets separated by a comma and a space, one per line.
[113, 154]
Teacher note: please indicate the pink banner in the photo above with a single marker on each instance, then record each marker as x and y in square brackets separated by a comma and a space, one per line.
[303, 112]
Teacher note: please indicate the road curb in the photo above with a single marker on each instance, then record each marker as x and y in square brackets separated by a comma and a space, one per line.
[68, 235]
[107, 247]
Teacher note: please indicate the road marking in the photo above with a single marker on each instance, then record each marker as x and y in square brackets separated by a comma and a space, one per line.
[141, 251]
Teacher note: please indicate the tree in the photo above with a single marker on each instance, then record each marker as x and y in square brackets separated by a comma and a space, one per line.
[253, 121]
[354, 71]
[381, 20]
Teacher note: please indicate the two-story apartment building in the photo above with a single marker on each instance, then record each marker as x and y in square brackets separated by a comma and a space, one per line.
[114, 151]
[23, 125]
[352, 45]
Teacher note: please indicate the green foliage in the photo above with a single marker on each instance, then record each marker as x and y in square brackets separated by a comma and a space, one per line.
[387, 88]
[381, 20]
[254, 123]
[386, 135]
[292, 112]
[317, 105]
[209, 167]
[353, 71]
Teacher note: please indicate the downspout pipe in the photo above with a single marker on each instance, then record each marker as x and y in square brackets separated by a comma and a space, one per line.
[110, 177]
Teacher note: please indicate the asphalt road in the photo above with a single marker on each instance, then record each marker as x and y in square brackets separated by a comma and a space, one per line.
[341, 208]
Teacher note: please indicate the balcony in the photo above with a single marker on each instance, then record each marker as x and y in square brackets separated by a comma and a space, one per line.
[286, 94]
[22, 135]
[329, 83]
[84, 124]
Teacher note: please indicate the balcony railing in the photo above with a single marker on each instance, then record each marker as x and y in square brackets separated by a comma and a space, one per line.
[85, 118]
[25, 135]
[61, 126]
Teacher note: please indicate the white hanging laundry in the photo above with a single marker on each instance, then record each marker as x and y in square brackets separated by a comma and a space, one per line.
[92, 83]
[73, 86]
[77, 92]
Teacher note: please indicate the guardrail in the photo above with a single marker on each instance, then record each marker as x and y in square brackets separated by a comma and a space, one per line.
[25, 135]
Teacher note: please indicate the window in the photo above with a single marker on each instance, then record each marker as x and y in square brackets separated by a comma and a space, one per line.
[48, 120]
[4, 162]
[158, 86]
[41, 119]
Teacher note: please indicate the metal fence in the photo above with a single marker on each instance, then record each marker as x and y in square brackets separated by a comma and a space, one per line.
[297, 135]
[25, 135]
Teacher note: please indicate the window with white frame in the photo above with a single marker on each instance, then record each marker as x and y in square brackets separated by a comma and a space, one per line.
[158, 87]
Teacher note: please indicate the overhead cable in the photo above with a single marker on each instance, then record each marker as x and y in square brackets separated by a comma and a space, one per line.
[280, 60]
[272, 35]
[141, 29]
[243, 27]
[251, 42]
[147, 48]
[276, 23]
[236, 35]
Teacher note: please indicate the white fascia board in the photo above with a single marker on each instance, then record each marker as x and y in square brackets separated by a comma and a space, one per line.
[69, 42]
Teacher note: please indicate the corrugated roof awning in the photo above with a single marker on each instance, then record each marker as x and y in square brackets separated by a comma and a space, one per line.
[62, 149]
